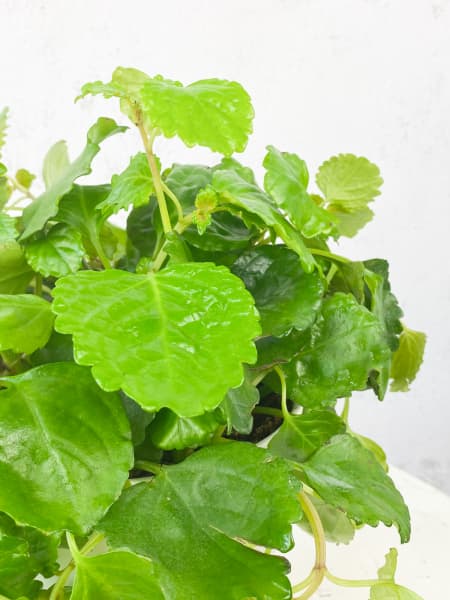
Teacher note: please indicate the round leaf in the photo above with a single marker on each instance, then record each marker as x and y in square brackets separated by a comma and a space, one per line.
[58, 253]
[65, 448]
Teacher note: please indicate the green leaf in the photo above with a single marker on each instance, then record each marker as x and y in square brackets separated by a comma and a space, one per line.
[42, 548]
[170, 432]
[212, 112]
[346, 344]
[115, 576]
[177, 249]
[349, 182]
[138, 418]
[286, 180]
[36, 215]
[187, 502]
[237, 406]
[141, 229]
[285, 295]
[186, 181]
[57, 253]
[3, 127]
[387, 571]
[247, 196]
[375, 448]
[59, 348]
[65, 448]
[174, 339]
[132, 187]
[274, 351]
[407, 359]
[24, 178]
[301, 435]
[392, 591]
[8, 230]
[15, 272]
[350, 223]
[347, 475]
[349, 279]
[231, 164]
[56, 163]
[337, 526]
[16, 569]
[26, 322]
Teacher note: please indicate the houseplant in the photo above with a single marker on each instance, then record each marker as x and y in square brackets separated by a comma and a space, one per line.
[158, 356]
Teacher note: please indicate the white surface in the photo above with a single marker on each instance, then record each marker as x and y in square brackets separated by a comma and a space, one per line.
[422, 564]
[363, 76]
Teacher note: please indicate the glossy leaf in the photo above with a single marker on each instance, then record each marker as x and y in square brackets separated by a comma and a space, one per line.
[347, 475]
[285, 296]
[275, 351]
[349, 279]
[26, 322]
[337, 527]
[212, 112]
[132, 187]
[247, 196]
[3, 127]
[170, 432]
[15, 272]
[57, 253]
[36, 215]
[286, 180]
[16, 570]
[8, 230]
[346, 344]
[65, 448]
[174, 339]
[115, 576]
[237, 406]
[56, 163]
[187, 502]
[301, 435]
[407, 359]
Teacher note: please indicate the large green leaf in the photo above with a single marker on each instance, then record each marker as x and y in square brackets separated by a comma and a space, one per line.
[132, 187]
[3, 127]
[8, 229]
[15, 272]
[237, 406]
[190, 520]
[57, 253]
[407, 359]
[348, 476]
[346, 344]
[26, 322]
[285, 295]
[115, 576]
[174, 339]
[301, 435]
[36, 215]
[286, 180]
[170, 432]
[237, 191]
[17, 575]
[65, 448]
[212, 112]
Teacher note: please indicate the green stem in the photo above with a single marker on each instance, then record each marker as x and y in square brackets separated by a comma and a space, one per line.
[305, 583]
[91, 543]
[38, 284]
[148, 466]
[350, 582]
[260, 377]
[174, 199]
[345, 410]
[16, 185]
[162, 254]
[101, 253]
[329, 255]
[268, 410]
[331, 273]
[284, 407]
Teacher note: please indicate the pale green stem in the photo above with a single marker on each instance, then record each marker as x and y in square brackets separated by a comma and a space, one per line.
[16, 185]
[148, 466]
[268, 410]
[101, 253]
[330, 255]
[350, 582]
[284, 407]
[38, 284]
[346, 410]
[174, 199]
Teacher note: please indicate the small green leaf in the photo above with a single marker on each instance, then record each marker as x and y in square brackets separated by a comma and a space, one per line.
[3, 127]
[387, 571]
[286, 180]
[392, 591]
[16, 570]
[231, 164]
[174, 339]
[349, 279]
[212, 112]
[187, 502]
[301, 435]
[36, 215]
[247, 196]
[65, 448]
[26, 322]
[407, 359]
[15, 272]
[170, 432]
[347, 475]
[285, 295]
[8, 231]
[57, 253]
[115, 576]
[56, 163]
[346, 344]
[24, 178]
[337, 527]
[350, 223]
[132, 187]
[237, 406]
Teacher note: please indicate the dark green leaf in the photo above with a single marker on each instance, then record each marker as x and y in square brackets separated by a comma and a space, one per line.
[407, 359]
[59, 348]
[57, 253]
[346, 344]
[347, 476]
[237, 406]
[15, 272]
[301, 435]
[138, 418]
[141, 229]
[174, 339]
[285, 295]
[212, 112]
[26, 322]
[187, 502]
[170, 432]
[274, 351]
[286, 180]
[36, 215]
[177, 249]
[185, 181]
[337, 527]
[65, 448]
[8, 230]
[349, 279]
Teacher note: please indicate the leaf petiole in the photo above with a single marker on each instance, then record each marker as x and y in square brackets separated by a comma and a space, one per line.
[284, 407]
[350, 582]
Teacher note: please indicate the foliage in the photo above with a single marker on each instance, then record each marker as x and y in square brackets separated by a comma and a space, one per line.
[159, 353]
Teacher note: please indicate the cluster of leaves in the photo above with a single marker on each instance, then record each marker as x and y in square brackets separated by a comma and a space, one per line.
[150, 350]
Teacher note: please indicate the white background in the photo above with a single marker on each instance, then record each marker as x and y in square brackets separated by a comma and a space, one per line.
[369, 77]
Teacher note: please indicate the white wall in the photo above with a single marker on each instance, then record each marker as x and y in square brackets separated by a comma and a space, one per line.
[369, 77]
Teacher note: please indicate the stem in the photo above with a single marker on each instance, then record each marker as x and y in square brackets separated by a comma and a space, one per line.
[38, 284]
[157, 182]
[329, 255]
[346, 410]
[331, 273]
[284, 408]
[268, 410]
[260, 377]
[101, 253]
[91, 543]
[162, 254]
[148, 466]
[350, 582]
[303, 584]
[16, 185]
[174, 199]
[58, 589]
